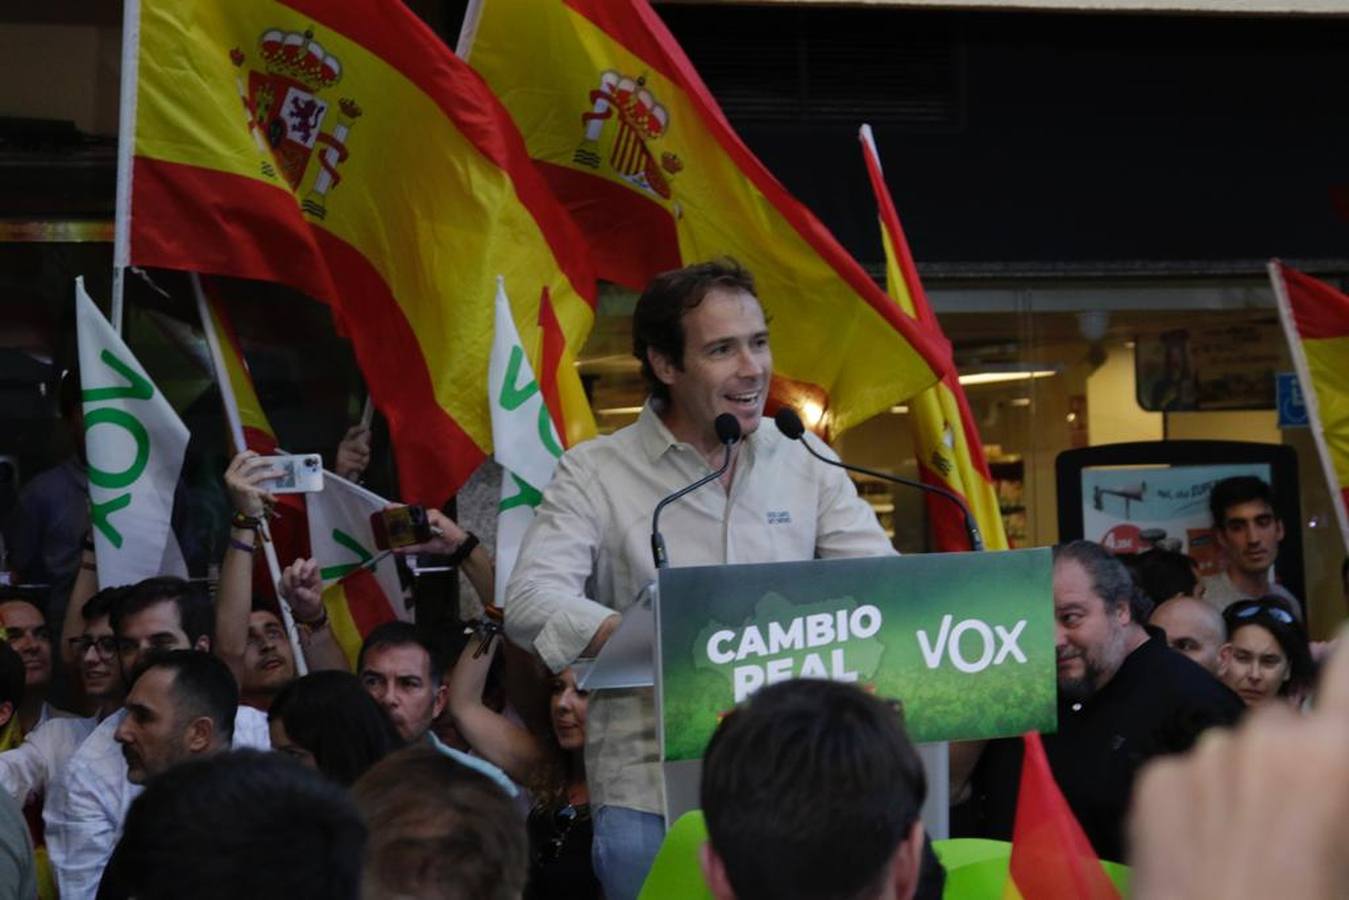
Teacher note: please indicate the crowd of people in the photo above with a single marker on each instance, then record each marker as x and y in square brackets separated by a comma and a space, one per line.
[192, 760]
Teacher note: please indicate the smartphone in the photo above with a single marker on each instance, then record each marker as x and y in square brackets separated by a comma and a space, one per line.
[401, 526]
[300, 474]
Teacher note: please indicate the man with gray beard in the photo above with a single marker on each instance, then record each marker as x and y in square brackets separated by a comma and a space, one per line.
[1124, 697]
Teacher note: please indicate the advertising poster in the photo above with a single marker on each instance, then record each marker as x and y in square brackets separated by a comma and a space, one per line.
[1135, 508]
[963, 642]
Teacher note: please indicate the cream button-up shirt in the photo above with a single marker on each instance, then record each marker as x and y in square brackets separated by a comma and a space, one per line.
[588, 554]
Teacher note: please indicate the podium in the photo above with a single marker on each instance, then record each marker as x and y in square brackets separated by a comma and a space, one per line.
[964, 642]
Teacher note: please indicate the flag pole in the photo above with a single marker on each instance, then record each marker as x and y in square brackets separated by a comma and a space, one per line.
[237, 438]
[469, 30]
[1308, 387]
[126, 148]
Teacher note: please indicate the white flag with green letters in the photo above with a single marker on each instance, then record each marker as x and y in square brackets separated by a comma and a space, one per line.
[524, 439]
[134, 443]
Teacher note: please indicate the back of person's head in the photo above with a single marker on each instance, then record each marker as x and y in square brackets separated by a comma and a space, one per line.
[403, 634]
[1239, 489]
[203, 687]
[1110, 578]
[332, 716]
[12, 678]
[195, 614]
[1163, 574]
[657, 320]
[1275, 615]
[439, 830]
[240, 825]
[104, 603]
[810, 789]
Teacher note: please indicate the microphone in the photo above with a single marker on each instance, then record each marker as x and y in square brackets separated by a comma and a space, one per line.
[789, 423]
[728, 432]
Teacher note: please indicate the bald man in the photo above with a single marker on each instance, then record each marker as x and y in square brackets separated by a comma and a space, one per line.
[1192, 627]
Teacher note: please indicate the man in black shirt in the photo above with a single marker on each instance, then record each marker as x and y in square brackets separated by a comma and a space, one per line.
[1124, 697]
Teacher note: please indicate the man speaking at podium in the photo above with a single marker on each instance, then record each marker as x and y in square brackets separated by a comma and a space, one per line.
[702, 340]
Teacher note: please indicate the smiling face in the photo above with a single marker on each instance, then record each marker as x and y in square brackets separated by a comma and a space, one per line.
[1255, 666]
[568, 709]
[26, 630]
[269, 663]
[726, 368]
[1250, 536]
[98, 660]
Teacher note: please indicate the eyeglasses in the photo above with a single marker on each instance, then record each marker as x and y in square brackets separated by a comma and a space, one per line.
[1277, 613]
[106, 645]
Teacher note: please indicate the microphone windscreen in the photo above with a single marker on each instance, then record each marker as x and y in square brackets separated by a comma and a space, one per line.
[789, 423]
[728, 428]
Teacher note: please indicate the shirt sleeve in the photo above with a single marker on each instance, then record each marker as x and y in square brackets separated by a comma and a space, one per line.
[846, 524]
[546, 604]
[25, 769]
[81, 830]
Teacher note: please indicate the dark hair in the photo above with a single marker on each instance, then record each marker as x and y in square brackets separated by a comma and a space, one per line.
[104, 603]
[194, 609]
[331, 715]
[808, 788]
[1162, 574]
[242, 824]
[1270, 613]
[439, 829]
[658, 319]
[1239, 489]
[401, 634]
[202, 686]
[12, 676]
[1110, 579]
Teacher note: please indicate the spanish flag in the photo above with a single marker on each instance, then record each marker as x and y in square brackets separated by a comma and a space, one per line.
[355, 605]
[945, 437]
[1316, 321]
[633, 143]
[341, 149]
[1051, 856]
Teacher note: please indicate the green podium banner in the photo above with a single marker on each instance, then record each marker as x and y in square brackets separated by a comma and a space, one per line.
[963, 641]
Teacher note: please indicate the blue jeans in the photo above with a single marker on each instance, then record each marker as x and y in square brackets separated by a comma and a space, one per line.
[626, 842]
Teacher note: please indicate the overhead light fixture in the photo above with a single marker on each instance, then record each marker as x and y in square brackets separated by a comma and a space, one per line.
[900, 410]
[998, 377]
[619, 411]
[1021, 401]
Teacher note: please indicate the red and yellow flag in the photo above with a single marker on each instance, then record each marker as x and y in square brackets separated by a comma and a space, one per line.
[1316, 320]
[1051, 856]
[945, 437]
[341, 149]
[631, 140]
[355, 605]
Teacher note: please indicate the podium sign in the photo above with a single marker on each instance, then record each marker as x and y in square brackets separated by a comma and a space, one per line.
[963, 641]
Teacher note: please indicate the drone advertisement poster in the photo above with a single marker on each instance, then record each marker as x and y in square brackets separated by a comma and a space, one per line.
[1129, 509]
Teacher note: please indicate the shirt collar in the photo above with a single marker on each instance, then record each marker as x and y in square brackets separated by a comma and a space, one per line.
[656, 438]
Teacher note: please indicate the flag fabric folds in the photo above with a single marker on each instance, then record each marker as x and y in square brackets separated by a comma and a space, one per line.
[341, 149]
[633, 143]
[135, 443]
[945, 437]
[1316, 321]
[361, 587]
[525, 437]
[1051, 856]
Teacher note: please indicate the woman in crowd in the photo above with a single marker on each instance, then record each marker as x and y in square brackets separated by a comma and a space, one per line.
[1266, 655]
[328, 721]
[552, 768]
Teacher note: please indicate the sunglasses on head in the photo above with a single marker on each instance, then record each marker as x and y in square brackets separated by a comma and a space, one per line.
[1278, 613]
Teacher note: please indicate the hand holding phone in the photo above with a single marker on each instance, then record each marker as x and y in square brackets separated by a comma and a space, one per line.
[297, 474]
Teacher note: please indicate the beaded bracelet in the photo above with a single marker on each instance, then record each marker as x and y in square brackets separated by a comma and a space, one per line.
[251, 523]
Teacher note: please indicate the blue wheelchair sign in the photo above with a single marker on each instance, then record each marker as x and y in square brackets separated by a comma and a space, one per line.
[1292, 409]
